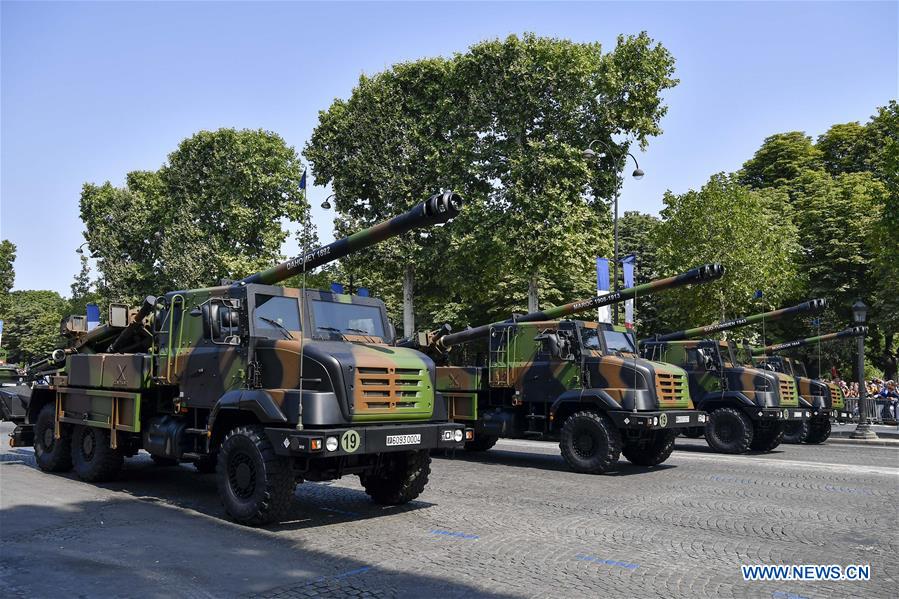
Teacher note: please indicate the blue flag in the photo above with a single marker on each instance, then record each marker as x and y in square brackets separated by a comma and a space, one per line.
[336, 288]
[303, 181]
[362, 292]
[757, 294]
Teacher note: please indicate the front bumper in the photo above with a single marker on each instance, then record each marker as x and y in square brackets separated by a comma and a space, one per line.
[367, 439]
[657, 420]
[782, 414]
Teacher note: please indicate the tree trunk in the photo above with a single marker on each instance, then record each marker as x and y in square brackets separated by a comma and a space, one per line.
[532, 294]
[408, 297]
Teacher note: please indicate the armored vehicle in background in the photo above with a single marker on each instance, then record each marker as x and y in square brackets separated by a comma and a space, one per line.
[748, 407]
[263, 384]
[579, 382]
[825, 399]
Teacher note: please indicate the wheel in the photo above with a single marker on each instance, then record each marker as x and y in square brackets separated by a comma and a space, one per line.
[590, 443]
[50, 453]
[163, 461]
[818, 431]
[94, 460]
[795, 431]
[767, 438]
[651, 449]
[403, 479]
[728, 430]
[207, 464]
[693, 432]
[481, 443]
[255, 485]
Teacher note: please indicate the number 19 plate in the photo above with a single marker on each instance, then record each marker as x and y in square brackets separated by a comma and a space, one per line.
[394, 440]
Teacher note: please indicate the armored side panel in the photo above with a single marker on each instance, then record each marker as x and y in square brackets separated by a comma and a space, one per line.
[110, 371]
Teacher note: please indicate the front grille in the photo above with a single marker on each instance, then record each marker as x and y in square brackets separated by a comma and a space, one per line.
[787, 393]
[671, 389]
[390, 389]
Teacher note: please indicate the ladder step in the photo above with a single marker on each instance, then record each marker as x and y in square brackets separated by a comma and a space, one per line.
[195, 431]
[193, 456]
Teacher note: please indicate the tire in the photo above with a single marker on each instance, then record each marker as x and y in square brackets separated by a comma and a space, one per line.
[92, 457]
[818, 431]
[651, 449]
[481, 443]
[403, 479]
[163, 462]
[693, 432]
[728, 430]
[255, 485]
[795, 431]
[207, 464]
[590, 443]
[50, 453]
[768, 438]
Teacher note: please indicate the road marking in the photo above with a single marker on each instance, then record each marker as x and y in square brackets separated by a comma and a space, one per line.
[745, 460]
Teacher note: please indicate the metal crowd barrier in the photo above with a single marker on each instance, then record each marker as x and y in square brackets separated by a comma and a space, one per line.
[880, 411]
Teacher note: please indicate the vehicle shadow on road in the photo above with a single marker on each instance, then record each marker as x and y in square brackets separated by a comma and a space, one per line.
[118, 547]
[703, 448]
[542, 461]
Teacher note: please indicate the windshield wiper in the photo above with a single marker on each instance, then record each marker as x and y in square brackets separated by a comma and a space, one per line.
[332, 330]
[280, 326]
[360, 331]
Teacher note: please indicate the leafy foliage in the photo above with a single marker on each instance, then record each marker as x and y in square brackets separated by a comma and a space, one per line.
[505, 124]
[213, 211]
[31, 324]
[636, 235]
[781, 159]
[741, 228]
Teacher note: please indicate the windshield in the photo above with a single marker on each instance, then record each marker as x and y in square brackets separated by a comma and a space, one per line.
[798, 368]
[620, 342]
[590, 339]
[275, 315]
[347, 318]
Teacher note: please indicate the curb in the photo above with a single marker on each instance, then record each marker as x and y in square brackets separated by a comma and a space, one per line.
[848, 441]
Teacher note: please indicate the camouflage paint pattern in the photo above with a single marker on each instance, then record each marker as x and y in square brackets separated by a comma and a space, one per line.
[810, 307]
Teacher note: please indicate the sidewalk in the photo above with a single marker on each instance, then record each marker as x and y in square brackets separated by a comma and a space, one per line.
[887, 435]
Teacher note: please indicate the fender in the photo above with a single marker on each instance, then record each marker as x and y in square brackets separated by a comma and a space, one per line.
[716, 399]
[595, 396]
[256, 401]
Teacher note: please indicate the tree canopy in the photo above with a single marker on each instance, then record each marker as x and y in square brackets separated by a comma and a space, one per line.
[505, 124]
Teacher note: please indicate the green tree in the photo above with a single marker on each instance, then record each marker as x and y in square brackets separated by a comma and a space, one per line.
[82, 287]
[213, 211]
[844, 148]
[744, 230]
[505, 124]
[7, 271]
[637, 235]
[780, 160]
[31, 324]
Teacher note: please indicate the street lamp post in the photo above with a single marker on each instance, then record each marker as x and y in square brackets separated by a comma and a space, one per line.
[863, 430]
[638, 173]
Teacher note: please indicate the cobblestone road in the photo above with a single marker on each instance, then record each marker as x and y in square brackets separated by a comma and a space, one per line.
[512, 522]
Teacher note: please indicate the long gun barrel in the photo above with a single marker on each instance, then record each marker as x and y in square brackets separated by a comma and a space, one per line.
[439, 208]
[772, 349]
[811, 307]
[702, 274]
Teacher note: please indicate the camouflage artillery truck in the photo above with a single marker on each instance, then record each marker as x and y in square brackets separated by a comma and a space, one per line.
[825, 399]
[581, 383]
[747, 407]
[264, 384]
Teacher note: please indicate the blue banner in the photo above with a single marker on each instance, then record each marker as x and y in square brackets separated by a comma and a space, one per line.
[93, 316]
[336, 287]
[628, 267]
[602, 274]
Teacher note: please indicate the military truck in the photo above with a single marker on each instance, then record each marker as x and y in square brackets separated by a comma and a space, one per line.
[747, 407]
[581, 383]
[263, 384]
[825, 399]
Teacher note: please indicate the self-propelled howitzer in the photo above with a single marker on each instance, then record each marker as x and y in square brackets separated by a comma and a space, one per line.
[825, 398]
[701, 274]
[579, 382]
[263, 384]
[748, 407]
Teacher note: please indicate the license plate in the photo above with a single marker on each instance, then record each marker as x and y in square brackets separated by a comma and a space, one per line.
[394, 440]
[681, 419]
[797, 414]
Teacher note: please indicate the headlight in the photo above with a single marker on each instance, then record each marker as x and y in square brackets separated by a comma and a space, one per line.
[331, 443]
[457, 435]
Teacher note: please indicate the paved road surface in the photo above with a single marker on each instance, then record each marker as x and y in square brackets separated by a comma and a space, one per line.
[512, 522]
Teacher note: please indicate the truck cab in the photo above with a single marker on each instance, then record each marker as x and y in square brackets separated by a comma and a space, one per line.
[542, 374]
[754, 403]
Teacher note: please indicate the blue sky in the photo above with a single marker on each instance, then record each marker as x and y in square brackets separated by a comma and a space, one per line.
[91, 91]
